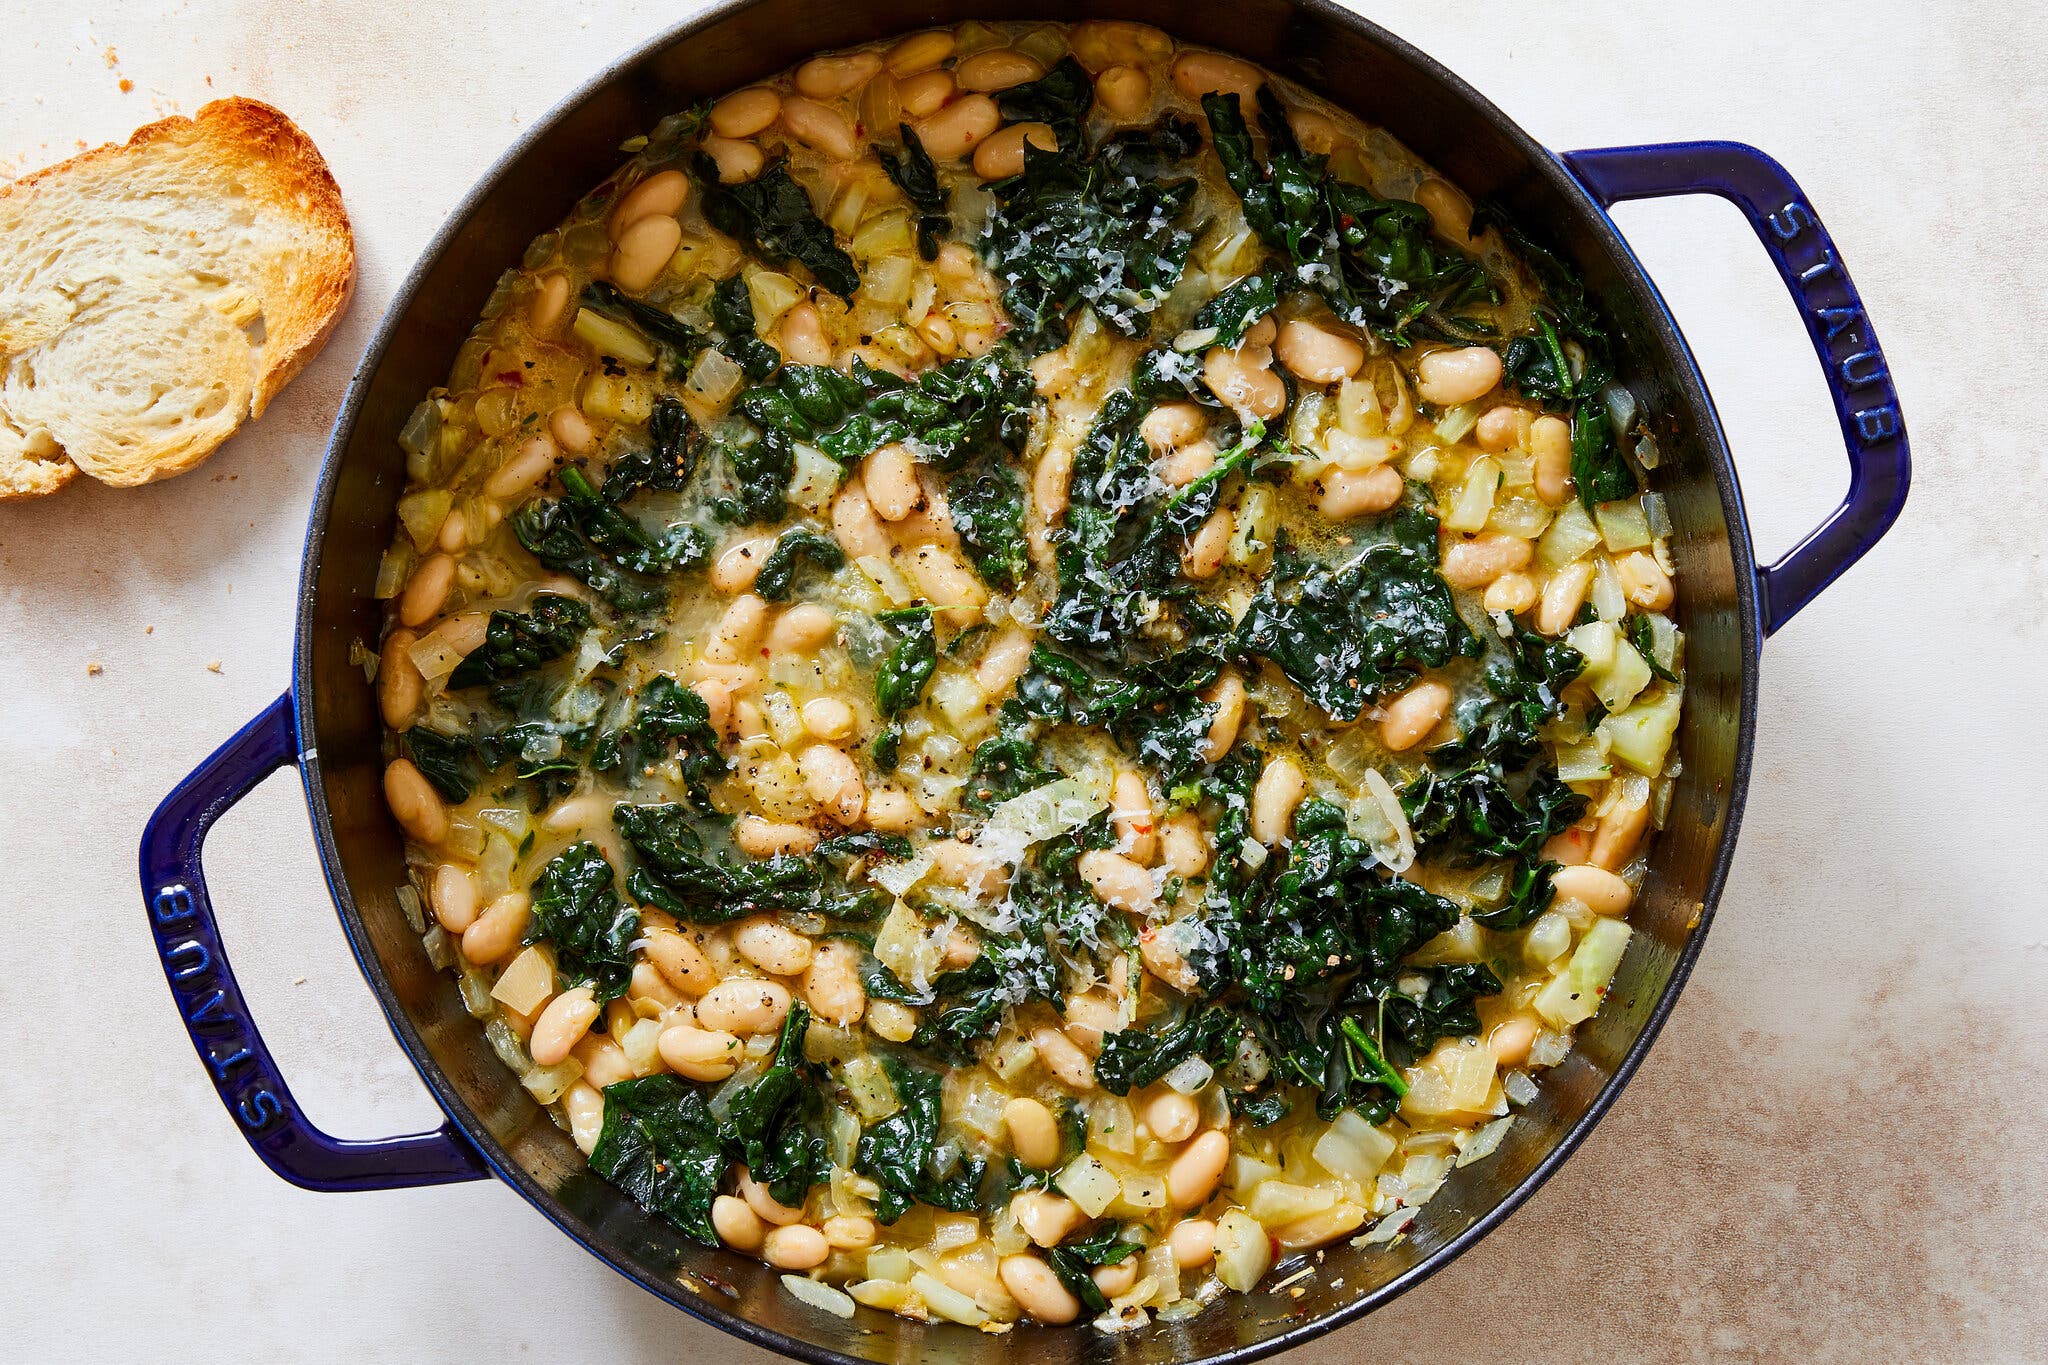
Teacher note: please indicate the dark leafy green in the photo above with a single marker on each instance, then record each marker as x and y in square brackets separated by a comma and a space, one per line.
[778, 575]
[1075, 1262]
[449, 762]
[1060, 98]
[1134, 1057]
[772, 212]
[660, 1145]
[679, 875]
[515, 642]
[910, 664]
[675, 341]
[914, 172]
[732, 309]
[777, 1122]
[667, 718]
[901, 1152]
[1232, 312]
[665, 464]
[987, 503]
[576, 907]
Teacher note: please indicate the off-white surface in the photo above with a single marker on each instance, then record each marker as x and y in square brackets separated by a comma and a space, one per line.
[1834, 1151]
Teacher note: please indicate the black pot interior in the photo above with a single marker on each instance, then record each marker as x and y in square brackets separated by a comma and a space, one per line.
[1347, 60]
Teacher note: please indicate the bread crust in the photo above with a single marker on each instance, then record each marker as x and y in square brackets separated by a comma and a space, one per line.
[300, 288]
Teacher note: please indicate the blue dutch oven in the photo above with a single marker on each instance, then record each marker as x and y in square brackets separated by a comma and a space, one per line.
[327, 725]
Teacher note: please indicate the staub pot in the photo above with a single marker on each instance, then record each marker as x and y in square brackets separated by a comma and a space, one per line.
[327, 725]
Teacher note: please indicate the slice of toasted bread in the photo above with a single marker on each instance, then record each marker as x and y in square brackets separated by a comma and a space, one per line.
[154, 295]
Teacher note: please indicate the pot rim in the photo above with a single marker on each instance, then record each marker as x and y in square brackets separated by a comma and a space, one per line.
[1685, 369]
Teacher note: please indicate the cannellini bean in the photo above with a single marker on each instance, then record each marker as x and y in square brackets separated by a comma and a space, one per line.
[498, 929]
[550, 302]
[1450, 211]
[1034, 1136]
[891, 1021]
[956, 594]
[1499, 428]
[643, 250]
[758, 838]
[1477, 562]
[796, 1247]
[1193, 1241]
[765, 1204]
[1162, 957]
[1067, 1063]
[1116, 1279]
[924, 94]
[1226, 694]
[647, 986]
[1619, 831]
[849, 1232]
[699, 1054]
[1117, 881]
[1513, 593]
[892, 811]
[1037, 1289]
[889, 476]
[453, 893]
[1596, 888]
[1450, 377]
[919, 52]
[1510, 1040]
[585, 1107]
[820, 127]
[957, 128]
[1349, 493]
[426, 592]
[737, 161]
[1192, 1177]
[718, 698]
[1411, 716]
[1550, 452]
[1563, 595]
[1050, 479]
[1187, 464]
[833, 780]
[1643, 580]
[1569, 847]
[562, 1025]
[1001, 155]
[1243, 380]
[400, 688]
[604, 1061]
[1171, 1116]
[1006, 659]
[1182, 849]
[1130, 807]
[1317, 354]
[744, 113]
[737, 1225]
[1045, 1217]
[1124, 92]
[827, 78]
[801, 629]
[679, 960]
[854, 524]
[740, 1005]
[996, 68]
[772, 947]
[1280, 789]
[828, 718]
[1206, 73]
[414, 803]
[802, 333]
[1203, 555]
[737, 635]
[832, 985]
[664, 193]
[1170, 426]
[571, 431]
[1317, 132]
[532, 462]
[454, 537]
[739, 564]
[1098, 43]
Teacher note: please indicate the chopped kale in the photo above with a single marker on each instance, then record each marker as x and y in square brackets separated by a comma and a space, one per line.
[576, 907]
[732, 308]
[666, 464]
[776, 1123]
[773, 212]
[1060, 98]
[449, 762]
[987, 503]
[901, 1152]
[515, 642]
[777, 579]
[660, 1145]
[1075, 1262]
[953, 413]
[667, 718]
[914, 172]
[677, 875]
[909, 666]
[674, 340]
[1132, 1057]
[1231, 313]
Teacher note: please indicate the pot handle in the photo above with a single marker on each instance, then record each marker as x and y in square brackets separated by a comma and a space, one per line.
[1880, 466]
[203, 987]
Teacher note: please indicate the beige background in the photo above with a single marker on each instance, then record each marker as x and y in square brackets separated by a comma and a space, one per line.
[1834, 1152]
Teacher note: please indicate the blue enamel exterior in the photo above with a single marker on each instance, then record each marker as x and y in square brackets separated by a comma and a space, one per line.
[211, 1004]
[1859, 382]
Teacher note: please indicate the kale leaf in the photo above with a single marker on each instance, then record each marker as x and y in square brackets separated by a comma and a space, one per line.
[773, 212]
[951, 414]
[777, 579]
[1132, 1057]
[900, 1153]
[732, 308]
[666, 464]
[914, 172]
[516, 642]
[1060, 98]
[675, 341]
[676, 875]
[909, 666]
[1075, 1262]
[449, 762]
[776, 1123]
[660, 1145]
[667, 717]
[1351, 631]
[987, 503]
[1372, 260]
[576, 907]
[1232, 312]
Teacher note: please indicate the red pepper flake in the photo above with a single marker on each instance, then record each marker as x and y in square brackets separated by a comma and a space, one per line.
[512, 378]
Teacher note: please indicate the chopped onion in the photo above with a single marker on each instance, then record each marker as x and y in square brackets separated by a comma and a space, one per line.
[1483, 1142]
[1089, 1184]
[615, 339]
[772, 295]
[1388, 1228]
[440, 951]
[1189, 1075]
[1519, 1087]
[393, 569]
[546, 1083]
[714, 381]
[1393, 841]
[1039, 814]
[1570, 537]
[420, 439]
[527, 984]
[1621, 408]
[409, 902]
[1459, 420]
[1243, 1252]
[1623, 525]
[888, 279]
[423, 512]
[946, 1301]
[819, 1295]
[506, 1044]
[1352, 1149]
[1610, 603]
[1657, 514]
[814, 479]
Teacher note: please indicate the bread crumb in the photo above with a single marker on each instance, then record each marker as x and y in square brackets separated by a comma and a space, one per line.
[213, 666]
[149, 630]
[93, 669]
[125, 85]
